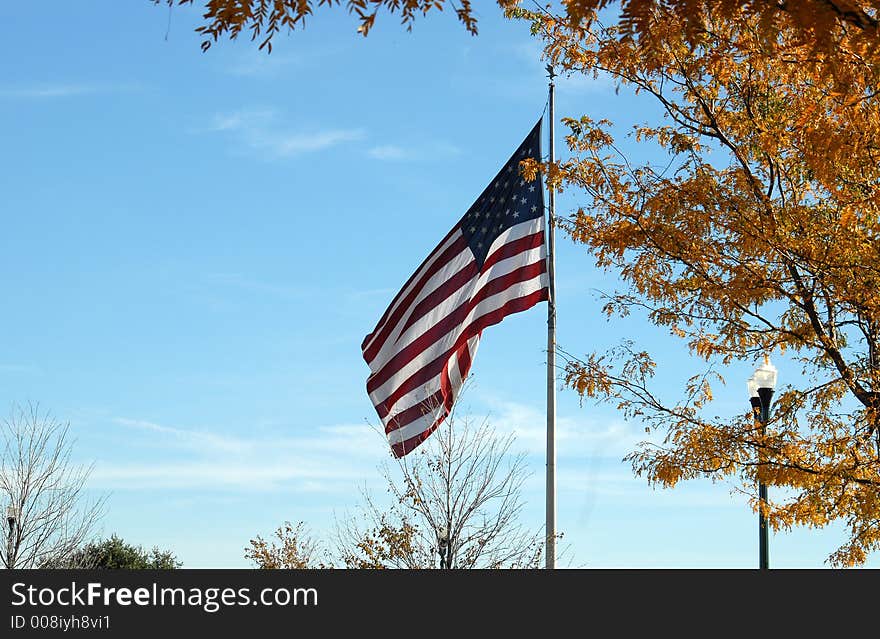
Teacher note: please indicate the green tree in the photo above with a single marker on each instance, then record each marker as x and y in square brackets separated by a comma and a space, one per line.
[114, 553]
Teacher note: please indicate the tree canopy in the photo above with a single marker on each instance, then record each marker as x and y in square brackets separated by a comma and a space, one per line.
[819, 21]
[756, 234]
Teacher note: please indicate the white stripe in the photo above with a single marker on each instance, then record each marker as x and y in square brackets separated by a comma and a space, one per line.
[415, 396]
[393, 342]
[516, 232]
[473, 343]
[415, 427]
[488, 305]
[462, 296]
[454, 373]
[415, 280]
[418, 394]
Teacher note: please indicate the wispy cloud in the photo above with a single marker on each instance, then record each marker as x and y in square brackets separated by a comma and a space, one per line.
[315, 141]
[261, 130]
[575, 436]
[530, 52]
[199, 440]
[253, 63]
[261, 64]
[209, 474]
[19, 369]
[380, 293]
[330, 457]
[387, 152]
[244, 120]
[49, 91]
[623, 486]
[418, 150]
[239, 281]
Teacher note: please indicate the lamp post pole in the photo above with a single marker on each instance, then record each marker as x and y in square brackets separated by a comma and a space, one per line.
[761, 386]
[11, 517]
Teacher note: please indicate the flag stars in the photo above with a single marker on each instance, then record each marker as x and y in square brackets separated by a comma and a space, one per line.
[522, 200]
[534, 208]
[532, 188]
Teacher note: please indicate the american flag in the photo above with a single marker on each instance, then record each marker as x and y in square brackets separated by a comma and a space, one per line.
[491, 264]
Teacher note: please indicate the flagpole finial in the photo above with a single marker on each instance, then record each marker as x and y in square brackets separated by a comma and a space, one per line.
[550, 72]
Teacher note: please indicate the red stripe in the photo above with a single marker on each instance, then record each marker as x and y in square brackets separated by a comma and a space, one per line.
[433, 368]
[449, 391]
[446, 385]
[505, 251]
[411, 278]
[510, 249]
[408, 446]
[444, 326]
[416, 412]
[458, 280]
[441, 294]
[464, 362]
[385, 327]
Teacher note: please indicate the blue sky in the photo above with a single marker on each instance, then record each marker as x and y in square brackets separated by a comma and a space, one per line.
[193, 246]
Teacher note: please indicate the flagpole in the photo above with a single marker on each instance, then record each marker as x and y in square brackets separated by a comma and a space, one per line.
[550, 528]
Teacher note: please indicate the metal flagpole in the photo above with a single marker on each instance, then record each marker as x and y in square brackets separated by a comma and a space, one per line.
[550, 528]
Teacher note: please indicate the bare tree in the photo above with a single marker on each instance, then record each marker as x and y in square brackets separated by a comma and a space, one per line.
[47, 516]
[456, 503]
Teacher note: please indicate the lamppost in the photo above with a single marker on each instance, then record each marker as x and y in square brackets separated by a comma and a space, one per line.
[11, 518]
[761, 386]
[443, 547]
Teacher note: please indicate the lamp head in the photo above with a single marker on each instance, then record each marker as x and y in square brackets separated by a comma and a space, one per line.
[753, 387]
[765, 375]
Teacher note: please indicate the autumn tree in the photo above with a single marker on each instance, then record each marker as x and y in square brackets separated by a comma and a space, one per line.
[817, 22]
[295, 549]
[42, 491]
[753, 231]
